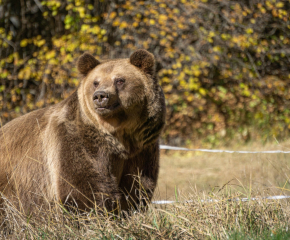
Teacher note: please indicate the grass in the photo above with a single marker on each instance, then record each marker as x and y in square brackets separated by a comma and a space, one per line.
[197, 219]
[207, 187]
[184, 172]
[265, 235]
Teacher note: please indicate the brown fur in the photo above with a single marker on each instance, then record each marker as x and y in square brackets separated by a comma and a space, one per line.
[89, 148]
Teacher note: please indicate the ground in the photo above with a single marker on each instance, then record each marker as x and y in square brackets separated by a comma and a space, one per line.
[188, 172]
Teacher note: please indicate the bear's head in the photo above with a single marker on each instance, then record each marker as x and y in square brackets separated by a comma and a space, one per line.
[118, 90]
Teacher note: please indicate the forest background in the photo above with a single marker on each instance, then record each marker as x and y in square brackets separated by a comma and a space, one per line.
[224, 65]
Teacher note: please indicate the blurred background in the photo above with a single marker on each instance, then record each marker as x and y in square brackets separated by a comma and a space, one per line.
[224, 66]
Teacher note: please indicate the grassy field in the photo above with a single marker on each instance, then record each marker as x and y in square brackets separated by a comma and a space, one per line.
[207, 187]
[198, 219]
[185, 172]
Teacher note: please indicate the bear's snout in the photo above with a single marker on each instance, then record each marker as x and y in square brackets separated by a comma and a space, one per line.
[105, 102]
[101, 98]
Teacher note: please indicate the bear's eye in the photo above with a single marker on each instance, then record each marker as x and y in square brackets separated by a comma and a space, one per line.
[119, 81]
[96, 83]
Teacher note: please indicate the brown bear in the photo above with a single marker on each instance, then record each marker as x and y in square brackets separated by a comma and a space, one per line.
[89, 148]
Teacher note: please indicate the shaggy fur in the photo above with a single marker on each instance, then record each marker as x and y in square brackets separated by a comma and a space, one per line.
[89, 148]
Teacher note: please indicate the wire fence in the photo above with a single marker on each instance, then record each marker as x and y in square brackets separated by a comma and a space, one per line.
[217, 150]
[279, 197]
[166, 147]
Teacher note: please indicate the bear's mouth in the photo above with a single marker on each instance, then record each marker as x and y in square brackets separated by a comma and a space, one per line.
[107, 109]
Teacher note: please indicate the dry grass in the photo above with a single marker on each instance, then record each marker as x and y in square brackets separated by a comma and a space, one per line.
[203, 212]
[184, 172]
[198, 219]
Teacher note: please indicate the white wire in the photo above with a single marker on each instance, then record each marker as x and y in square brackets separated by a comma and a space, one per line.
[217, 151]
[214, 200]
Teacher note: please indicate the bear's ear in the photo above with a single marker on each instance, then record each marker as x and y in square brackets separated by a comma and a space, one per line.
[86, 63]
[143, 60]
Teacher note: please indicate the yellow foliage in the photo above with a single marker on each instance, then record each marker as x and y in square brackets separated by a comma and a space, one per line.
[204, 55]
[249, 30]
[279, 4]
[23, 43]
[113, 15]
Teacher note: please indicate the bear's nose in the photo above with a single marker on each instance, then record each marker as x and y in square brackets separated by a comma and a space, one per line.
[101, 97]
